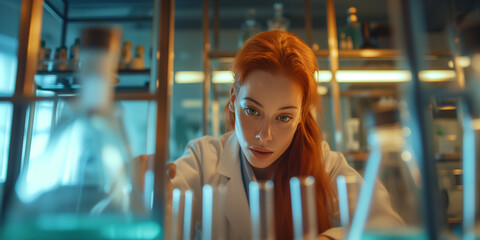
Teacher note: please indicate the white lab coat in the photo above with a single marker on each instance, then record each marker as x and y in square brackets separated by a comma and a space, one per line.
[216, 162]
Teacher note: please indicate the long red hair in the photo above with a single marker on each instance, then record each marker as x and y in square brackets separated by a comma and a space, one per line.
[286, 53]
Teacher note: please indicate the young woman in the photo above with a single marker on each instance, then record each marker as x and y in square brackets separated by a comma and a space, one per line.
[275, 137]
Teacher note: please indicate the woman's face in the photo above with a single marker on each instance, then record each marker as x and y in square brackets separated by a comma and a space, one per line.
[267, 113]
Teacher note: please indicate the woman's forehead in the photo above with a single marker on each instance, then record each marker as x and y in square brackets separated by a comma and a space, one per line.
[272, 88]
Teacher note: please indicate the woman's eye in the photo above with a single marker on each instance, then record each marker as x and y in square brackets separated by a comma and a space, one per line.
[284, 118]
[251, 111]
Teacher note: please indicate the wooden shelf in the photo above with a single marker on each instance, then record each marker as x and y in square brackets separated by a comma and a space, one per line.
[61, 89]
[72, 72]
[356, 156]
[454, 220]
[222, 55]
[448, 157]
[376, 53]
[367, 93]
[343, 54]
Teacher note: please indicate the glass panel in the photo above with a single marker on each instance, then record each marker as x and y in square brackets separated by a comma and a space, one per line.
[5, 129]
[9, 21]
[40, 130]
[137, 119]
[140, 129]
[187, 99]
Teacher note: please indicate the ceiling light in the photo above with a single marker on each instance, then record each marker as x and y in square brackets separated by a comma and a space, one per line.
[189, 77]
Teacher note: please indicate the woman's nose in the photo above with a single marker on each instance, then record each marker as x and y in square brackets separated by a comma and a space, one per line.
[265, 133]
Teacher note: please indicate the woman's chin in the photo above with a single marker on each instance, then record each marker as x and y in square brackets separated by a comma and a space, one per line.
[261, 163]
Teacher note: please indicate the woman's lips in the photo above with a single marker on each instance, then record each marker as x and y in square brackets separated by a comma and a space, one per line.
[260, 153]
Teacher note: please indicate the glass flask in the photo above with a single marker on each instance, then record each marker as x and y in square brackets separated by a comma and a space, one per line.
[81, 186]
[249, 28]
[262, 210]
[278, 22]
[392, 175]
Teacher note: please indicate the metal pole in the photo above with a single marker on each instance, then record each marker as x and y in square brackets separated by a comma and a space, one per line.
[53, 11]
[406, 14]
[64, 23]
[206, 64]
[308, 21]
[162, 74]
[333, 61]
[28, 45]
[216, 25]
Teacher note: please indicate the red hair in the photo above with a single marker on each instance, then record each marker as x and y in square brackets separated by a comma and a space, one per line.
[286, 53]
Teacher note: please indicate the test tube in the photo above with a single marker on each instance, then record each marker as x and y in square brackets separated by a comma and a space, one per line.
[304, 209]
[261, 210]
[181, 220]
[213, 206]
[348, 189]
[176, 202]
[187, 219]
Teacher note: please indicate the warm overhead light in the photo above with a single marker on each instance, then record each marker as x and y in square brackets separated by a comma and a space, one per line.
[373, 76]
[447, 108]
[323, 76]
[322, 90]
[369, 53]
[476, 124]
[476, 62]
[436, 75]
[345, 76]
[183, 77]
[462, 61]
[222, 77]
[191, 103]
[189, 77]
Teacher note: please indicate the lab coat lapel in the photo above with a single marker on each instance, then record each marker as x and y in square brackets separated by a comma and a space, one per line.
[237, 210]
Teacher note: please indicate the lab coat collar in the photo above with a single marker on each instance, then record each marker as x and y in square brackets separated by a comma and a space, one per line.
[237, 210]
[229, 160]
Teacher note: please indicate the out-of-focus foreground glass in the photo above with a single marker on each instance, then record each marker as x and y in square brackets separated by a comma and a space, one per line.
[81, 185]
[468, 25]
[388, 203]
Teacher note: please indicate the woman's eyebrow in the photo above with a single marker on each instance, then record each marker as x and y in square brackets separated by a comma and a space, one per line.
[288, 107]
[253, 100]
[256, 102]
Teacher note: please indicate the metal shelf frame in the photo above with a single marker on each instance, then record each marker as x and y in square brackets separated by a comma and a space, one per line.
[159, 88]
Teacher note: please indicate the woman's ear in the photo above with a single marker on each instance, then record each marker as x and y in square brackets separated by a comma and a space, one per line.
[231, 102]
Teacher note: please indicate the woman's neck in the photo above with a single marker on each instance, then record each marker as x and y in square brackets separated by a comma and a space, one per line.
[263, 174]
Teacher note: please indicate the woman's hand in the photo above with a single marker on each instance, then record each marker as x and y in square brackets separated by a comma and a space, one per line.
[141, 164]
[171, 172]
[324, 238]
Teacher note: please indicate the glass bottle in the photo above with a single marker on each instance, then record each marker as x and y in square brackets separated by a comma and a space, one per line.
[278, 22]
[126, 55]
[41, 56]
[75, 54]
[81, 186]
[249, 28]
[367, 41]
[138, 62]
[353, 29]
